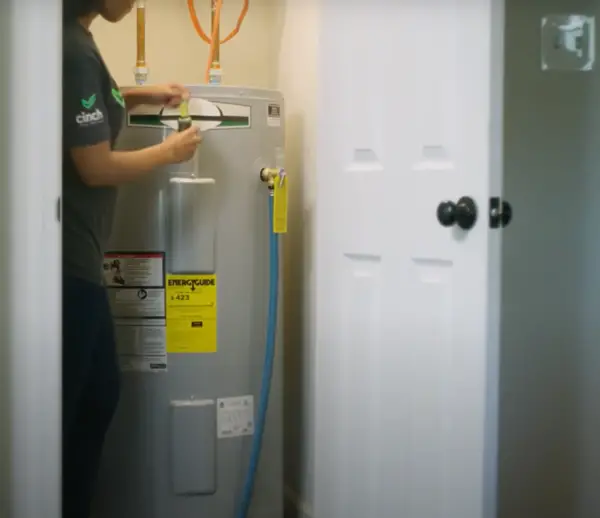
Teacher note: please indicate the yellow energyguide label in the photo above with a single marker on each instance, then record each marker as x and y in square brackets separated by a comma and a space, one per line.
[191, 311]
[280, 205]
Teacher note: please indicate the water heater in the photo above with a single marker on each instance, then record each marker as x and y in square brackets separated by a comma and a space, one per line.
[188, 278]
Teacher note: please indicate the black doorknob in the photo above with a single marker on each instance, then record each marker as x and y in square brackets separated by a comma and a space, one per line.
[462, 213]
[501, 213]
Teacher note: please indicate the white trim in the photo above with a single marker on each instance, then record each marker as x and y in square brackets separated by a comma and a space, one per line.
[32, 249]
[5, 445]
[497, 34]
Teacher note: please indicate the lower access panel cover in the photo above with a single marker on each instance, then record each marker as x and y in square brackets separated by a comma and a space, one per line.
[193, 447]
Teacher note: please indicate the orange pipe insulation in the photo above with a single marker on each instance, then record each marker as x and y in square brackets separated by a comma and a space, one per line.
[212, 54]
[141, 35]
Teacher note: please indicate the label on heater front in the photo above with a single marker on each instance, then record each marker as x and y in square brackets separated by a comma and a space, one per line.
[136, 284]
[141, 345]
[274, 115]
[191, 309]
[235, 417]
[136, 270]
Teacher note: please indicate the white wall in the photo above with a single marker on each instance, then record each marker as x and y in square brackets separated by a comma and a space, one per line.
[297, 25]
[275, 49]
[174, 52]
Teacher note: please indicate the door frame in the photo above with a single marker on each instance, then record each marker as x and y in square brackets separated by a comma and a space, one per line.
[30, 455]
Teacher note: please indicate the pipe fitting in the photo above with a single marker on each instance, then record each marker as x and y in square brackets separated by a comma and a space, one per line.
[268, 174]
[141, 75]
[215, 75]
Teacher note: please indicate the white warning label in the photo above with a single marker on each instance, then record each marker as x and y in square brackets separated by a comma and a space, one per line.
[235, 417]
[136, 284]
[137, 302]
[137, 270]
[141, 345]
[273, 115]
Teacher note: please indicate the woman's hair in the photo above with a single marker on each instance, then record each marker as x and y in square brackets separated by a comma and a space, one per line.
[73, 9]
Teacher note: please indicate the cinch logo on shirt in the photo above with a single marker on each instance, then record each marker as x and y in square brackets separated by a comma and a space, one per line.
[84, 119]
[88, 104]
[95, 117]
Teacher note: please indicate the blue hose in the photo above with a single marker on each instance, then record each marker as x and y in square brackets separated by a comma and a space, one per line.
[267, 373]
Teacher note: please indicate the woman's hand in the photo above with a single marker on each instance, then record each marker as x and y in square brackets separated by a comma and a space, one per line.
[180, 147]
[170, 94]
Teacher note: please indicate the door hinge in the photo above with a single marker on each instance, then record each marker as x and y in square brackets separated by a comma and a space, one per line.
[500, 212]
[58, 209]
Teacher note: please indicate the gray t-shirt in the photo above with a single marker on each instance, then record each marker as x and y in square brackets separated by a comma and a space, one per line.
[93, 112]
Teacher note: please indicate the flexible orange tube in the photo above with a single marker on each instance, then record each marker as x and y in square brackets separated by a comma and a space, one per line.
[209, 40]
[231, 35]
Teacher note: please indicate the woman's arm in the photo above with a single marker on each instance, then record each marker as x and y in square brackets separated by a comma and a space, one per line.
[100, 166]
[136, 95]
[87, 133]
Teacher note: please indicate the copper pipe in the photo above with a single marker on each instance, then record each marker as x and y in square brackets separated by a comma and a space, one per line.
[217, 31]
[141, 33]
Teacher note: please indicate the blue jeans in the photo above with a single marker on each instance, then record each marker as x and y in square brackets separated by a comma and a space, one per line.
[90, 390]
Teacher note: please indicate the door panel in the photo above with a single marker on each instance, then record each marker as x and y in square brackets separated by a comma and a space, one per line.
[405, 367]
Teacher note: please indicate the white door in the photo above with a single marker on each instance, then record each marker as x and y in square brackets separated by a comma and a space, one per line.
[410, 96]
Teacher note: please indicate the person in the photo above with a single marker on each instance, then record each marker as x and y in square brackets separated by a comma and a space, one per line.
[93, 113]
